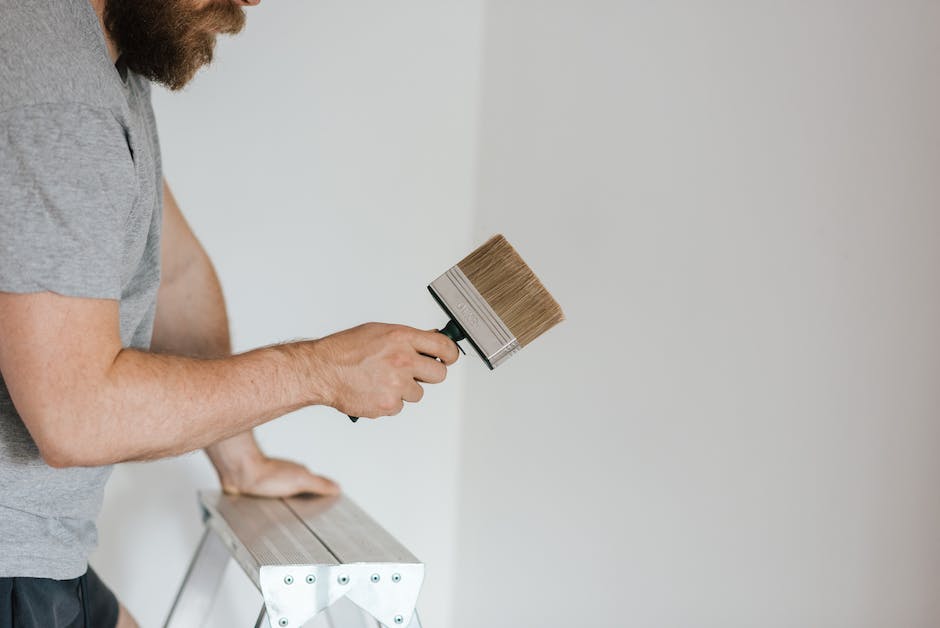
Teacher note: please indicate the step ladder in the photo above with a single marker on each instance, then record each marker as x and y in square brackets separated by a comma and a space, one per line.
[312, 558]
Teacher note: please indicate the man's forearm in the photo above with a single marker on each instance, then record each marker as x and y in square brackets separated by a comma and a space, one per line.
[189, 393]
[150, 406]
[87, 401]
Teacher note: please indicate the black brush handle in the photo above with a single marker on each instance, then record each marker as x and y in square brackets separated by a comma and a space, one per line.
[453, 331]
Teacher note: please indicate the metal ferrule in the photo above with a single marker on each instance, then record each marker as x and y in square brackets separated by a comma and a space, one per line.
[485, 330]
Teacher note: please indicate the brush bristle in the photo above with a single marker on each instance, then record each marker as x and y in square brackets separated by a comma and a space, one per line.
[512, 289]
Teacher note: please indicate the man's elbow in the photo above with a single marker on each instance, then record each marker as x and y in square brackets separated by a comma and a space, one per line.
[58, 457]
[64, 444]
[61, 453]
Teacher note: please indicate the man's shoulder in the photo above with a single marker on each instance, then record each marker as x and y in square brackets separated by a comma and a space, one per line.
[52, 51]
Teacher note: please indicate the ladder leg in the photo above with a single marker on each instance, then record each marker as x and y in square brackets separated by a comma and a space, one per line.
[200, 585]
[263, 618]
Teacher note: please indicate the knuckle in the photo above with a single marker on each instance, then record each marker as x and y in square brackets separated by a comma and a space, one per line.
[398, 332]
[389, 405]
[400, 360]
[390, 378]
[392, 382]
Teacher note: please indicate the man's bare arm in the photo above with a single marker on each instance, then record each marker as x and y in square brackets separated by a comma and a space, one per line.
[88, 401]
[191, 315]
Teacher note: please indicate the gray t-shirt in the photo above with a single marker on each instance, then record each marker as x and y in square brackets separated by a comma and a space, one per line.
[80, 212]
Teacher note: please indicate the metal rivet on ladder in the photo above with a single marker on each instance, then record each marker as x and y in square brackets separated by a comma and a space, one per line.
[399, 619]
[288, 579]
[282, 621]
[311, 579]
[396, 577]
[375, 577]
[344, 579]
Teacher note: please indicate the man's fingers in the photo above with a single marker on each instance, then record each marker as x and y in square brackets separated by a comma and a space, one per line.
[414, 393]
[320, 485]
[429, 370]
[436, 345]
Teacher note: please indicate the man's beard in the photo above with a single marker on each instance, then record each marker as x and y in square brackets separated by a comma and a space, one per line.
[167, 41]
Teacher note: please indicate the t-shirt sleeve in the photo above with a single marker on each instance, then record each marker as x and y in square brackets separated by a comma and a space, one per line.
[66, 174]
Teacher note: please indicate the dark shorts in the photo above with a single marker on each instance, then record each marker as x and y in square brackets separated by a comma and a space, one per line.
[83, 602]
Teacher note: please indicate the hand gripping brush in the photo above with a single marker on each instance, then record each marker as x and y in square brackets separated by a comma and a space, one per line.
[495, 301]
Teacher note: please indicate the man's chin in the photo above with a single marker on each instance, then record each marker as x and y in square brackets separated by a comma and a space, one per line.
[174, 76]
[166, 44]
[176, 83]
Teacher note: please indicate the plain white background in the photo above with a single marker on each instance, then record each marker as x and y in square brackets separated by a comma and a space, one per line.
[739, 425]
[736, 204]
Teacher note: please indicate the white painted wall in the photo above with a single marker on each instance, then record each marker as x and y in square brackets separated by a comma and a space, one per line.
[737, 204]
[326, 163]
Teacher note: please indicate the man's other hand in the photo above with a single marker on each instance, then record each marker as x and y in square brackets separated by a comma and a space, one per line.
[273, 477]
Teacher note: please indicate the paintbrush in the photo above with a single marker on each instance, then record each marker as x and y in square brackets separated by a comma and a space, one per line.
[495, 301]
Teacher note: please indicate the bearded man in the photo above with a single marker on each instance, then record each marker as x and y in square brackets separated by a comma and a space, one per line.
[114, 341]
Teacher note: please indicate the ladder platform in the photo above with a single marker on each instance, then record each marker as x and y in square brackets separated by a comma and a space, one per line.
[305, 554]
